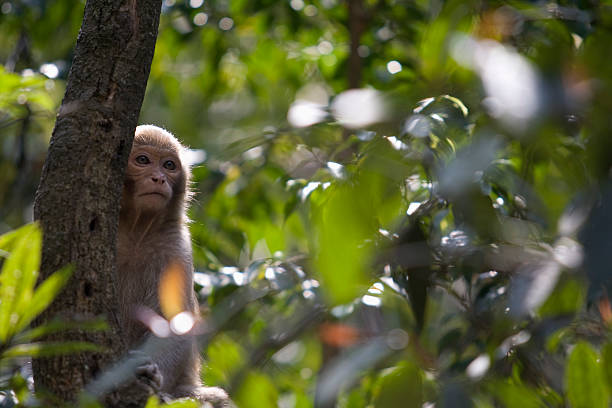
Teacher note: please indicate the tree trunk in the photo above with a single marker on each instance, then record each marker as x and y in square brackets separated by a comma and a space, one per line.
[357, 24]
[78, 198]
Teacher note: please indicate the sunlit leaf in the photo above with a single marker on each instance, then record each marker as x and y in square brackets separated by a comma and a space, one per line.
[152, 402]
[342, 253]
[182, 404]
[42, 297]
[18, 276]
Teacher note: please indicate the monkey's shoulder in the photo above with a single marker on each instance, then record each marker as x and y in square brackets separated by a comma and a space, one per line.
[154, 251]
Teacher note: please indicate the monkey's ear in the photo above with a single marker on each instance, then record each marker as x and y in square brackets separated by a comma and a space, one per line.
[172, 290]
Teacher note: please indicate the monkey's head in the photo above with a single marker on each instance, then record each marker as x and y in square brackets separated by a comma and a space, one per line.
[156, 179]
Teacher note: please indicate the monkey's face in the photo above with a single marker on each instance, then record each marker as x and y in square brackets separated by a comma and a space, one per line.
[153, 177]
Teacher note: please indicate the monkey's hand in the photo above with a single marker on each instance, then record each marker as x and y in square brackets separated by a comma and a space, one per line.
[147, 381]
[147, 371]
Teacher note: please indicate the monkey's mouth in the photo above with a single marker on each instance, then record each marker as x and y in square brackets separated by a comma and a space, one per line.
[153, 193]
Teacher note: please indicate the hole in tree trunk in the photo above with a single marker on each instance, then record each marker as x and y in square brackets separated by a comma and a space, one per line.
[93, 223]
[87, 289]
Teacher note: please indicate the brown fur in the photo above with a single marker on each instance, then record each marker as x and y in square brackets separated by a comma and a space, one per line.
[153, 235]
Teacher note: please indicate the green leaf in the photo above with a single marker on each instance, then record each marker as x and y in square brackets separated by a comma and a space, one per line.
[585, 383]
[257, 391]
[88, 401]
[153, 402]
[401, 383]
[49, 349]
[606, 354]
[513, 394]
[18, 276]
[7, 240]
[457, 103]
[341, 261]
[58, 326]
[225, 356]
[187, 403]
[567, 298]
[43, 296]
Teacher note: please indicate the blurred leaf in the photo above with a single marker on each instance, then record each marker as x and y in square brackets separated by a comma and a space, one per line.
[532, 286]
[347, 367]
[355, 399]
[88, 401]
[257, 391]
[567, 298]
[58, 326]
[181, 404]
[48, 349]
[606, 354]
[42, 297]
[343, 251]
[153, 402]
[18, 276]
[225, 356]
[584, 377]
[16, 90]
[401, 383]
[516, 395]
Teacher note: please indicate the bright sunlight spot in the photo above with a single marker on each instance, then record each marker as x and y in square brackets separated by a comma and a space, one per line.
[200, 19]
[49, 70]
[478, 367]
[159, 326]
[358, 108]
[305, 113]
[509, 79]
[394, 67]
[182, 323]
[226, 23]
[297, 5]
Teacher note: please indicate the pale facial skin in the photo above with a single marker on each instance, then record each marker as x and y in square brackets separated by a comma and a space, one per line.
[151, 176]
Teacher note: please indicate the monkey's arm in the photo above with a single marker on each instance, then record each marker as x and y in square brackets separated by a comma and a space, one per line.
[178, 361]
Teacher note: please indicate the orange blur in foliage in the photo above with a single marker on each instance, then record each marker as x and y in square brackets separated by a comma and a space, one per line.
[338, 335]
[172, 290]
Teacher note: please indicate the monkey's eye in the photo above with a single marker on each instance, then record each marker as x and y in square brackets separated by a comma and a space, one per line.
[142, 159]
[170, 165]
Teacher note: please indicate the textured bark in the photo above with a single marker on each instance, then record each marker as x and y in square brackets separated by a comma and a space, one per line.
[78, 198]
[357, 24]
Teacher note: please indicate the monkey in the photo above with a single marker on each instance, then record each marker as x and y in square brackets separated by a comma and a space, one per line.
[153, 236]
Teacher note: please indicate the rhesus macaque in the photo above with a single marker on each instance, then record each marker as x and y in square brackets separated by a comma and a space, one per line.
[153, 237]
